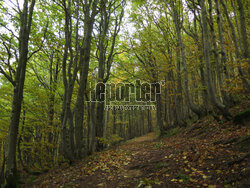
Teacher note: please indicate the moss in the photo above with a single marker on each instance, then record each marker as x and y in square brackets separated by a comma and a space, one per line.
[239, 118]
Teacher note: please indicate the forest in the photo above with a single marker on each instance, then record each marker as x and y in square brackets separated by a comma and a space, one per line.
[124, 93]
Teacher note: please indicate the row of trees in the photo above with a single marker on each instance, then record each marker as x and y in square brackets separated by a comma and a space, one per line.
[198, 48]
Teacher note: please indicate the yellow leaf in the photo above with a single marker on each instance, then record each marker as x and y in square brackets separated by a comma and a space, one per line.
[218, 171]
[174, 180]
[212, 186]
[194, 169]
[193, 180]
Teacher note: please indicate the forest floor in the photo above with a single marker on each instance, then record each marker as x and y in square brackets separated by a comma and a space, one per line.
[205, 154]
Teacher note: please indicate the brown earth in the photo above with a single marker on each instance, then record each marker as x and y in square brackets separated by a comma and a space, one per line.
[205, 154]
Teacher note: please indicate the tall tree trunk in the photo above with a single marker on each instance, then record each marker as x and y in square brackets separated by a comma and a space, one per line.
[142, 123]
[170, 99]
[91, 128]
[67, 141]
[88, 127]
[243, 28]
[204, 83]
[150, 126]
[26, 21]
[179, 89]
[166, 104]
[105, 58]
[51, 111]
[195, 36]
[225, 97]
[129, 125]
[104, 25]
[99, 125]
[196, 109]
[84, 69]
[233, 4]
[237, 53]
[221, 39]
[121, 124]
[106, 121]
[207, 50]
[159, 112]
[2, 175]
[114, 121]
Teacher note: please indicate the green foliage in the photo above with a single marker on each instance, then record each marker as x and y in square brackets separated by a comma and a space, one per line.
[184, 177]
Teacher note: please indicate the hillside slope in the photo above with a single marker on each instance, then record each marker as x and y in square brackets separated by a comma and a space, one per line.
[205, 154]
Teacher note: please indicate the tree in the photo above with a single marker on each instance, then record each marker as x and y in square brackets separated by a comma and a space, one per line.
[107, 38]
[178, 27]
[90, 11]
[243, 28]
[207, 49]
[18, 83]
[236, 45]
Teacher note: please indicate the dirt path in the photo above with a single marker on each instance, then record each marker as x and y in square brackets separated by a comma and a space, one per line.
[203, 155]
[118, 167]
[147, 137]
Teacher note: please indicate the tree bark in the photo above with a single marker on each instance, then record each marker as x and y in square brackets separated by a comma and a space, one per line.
[225, 97]
[84, 69]
[207, 50]
[159, 112]
[25, 27]
[237, 53]
[243, 28]
[196, 109]
[150, 126]
[114, 121]
[67, 140]
[221, 39]
[105, 58]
